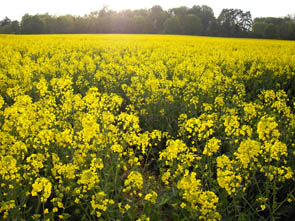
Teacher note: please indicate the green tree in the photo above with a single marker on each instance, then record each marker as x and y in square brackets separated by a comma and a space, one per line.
[258, 29]
[197, 20]
[105, 20]
[80, 25]
[180, 12]
[14, 27]
[93, 23]
[173, 26]
[9, 27]
[5, 21]
[32, 24]
[271, 31]
[65, 24]
[143, 24]
[287, 30]
[272, 20]
[208, 20]
[192, 25]
[235, 22]
[49, 23]
[158, 17]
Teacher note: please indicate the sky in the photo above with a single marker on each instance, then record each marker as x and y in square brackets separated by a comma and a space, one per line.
[15, 9]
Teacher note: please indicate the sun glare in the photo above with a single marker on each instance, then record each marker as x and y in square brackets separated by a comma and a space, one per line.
[119, 5]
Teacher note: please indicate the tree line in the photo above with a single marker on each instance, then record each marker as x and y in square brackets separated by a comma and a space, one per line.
[197, 20]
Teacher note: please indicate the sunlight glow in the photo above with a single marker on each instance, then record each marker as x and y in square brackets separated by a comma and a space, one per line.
[15, 9]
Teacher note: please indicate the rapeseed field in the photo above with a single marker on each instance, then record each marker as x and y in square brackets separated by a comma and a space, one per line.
[146, 127]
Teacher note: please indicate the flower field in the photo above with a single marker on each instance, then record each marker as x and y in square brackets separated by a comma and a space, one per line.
[146, 127]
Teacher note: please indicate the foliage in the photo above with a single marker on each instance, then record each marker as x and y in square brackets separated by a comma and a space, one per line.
[235, 22]
[270, 31]
[9, 27]
[192, 25]
[270, 27]
[259, 29]
[32, 24]
[197, 20]
[173, 26]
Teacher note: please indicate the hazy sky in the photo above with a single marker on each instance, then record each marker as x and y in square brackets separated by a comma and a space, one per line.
[15, 9]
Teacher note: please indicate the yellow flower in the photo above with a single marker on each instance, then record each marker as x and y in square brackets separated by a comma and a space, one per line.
[248, 151]
[134, 180]
[267, 129]
[165, 177]
[151, 197]
[182, 205]
[212, 146]
[127, 207]
[43, 186]
[1, 102]
[117, 148]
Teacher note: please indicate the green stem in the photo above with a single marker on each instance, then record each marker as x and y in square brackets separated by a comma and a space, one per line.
[89, 217]
[38, 206]
[116, 175]
[145, 162]
[283, 201]
[257, 185]
[251, 207]
[43, 207]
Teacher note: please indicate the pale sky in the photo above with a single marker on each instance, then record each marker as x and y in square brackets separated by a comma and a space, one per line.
[15, 9]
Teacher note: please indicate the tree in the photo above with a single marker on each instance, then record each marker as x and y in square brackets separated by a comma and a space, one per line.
[272, 20]
[271, 31]
[141, 12]
[49, 23]
[5, 21]
[291, 17]
[14, 27]
[32, 24]
[258, 29]
[143, 24]
[287, 30]
[80, 25]
[93, 23]
[206, 15]
[9, 27]
[105, 20]
[271, 27]
[192, 25]
[235, 22]
[173, 26]
[121, 24]
[65, 24]
[158, 17]
[197, 20]
[179, 12]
